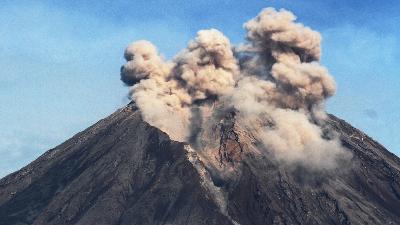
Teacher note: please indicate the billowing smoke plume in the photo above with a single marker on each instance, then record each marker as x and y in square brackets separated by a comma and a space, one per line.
[166, 91]
[286, 53]
[273, 82]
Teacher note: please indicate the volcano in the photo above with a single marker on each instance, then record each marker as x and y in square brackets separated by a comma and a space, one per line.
[121, 170]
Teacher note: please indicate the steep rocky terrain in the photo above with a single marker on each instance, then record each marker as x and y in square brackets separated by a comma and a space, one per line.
[124, 171]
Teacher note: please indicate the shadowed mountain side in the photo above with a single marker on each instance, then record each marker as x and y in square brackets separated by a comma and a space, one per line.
[119, 171]
[365, 192]
[123, 171]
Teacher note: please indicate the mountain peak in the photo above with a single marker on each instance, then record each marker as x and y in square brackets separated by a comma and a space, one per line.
[124, 171]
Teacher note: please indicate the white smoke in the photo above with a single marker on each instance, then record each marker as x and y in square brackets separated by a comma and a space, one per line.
[274, 82]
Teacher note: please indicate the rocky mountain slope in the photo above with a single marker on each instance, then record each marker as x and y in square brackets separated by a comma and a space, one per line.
[124, 171]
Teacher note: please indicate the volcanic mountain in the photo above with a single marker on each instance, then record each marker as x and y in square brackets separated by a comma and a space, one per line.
[124, 171]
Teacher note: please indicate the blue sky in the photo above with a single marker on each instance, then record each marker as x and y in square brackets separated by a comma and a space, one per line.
[60, 60]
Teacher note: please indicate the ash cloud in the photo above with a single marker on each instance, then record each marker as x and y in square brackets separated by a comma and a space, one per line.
[274, 82]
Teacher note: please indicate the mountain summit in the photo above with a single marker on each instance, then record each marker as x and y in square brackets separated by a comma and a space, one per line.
[124, 171]
[219, 134]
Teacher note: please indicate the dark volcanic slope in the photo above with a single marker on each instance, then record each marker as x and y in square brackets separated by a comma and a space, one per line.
[123, 171]
[119, 171]
[365, 192]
